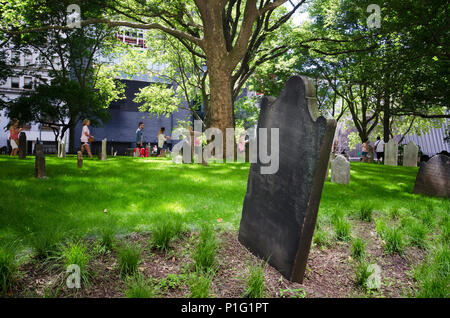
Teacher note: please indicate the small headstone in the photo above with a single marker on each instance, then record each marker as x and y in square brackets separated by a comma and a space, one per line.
[22, 145]
[340, 170]
[39, 165]
[104, 155]
[433, 178]
[280, 209]
[374, 280]
[410, 155]
[391, 153]
[79, 159]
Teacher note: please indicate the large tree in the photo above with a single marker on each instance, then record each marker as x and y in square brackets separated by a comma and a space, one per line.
[229, 34]
[80, 86]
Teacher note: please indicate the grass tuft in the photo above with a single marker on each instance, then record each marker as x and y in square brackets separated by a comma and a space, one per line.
[8, 269]
[358, 249]
[137, 286]
[255, 281]
[393, 238]
[129, 259]
[418, 234]
[76, 253]
[362, 273]
[206, 250]
[164, 230]
[200, 283]
[433, 276]
[366, 213]
[341, 227]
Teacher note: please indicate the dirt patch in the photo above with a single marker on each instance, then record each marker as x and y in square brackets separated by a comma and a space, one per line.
[329, 270]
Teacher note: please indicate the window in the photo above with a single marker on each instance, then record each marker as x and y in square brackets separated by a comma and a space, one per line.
[28, 82]
[28, 59]
[15, 82]
[42, 60]
[15, 57]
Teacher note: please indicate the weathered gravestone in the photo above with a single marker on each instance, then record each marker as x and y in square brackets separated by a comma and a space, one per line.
[103, 154]
[79, 159]
[410, 154]
[39, 165]
[391, 153]
[22, 145]
[340, 170]
[280, 209]
[433, 178]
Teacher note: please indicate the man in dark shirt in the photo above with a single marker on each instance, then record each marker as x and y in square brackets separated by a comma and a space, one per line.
[139, 136]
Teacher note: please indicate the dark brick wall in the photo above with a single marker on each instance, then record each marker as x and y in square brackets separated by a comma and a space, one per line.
[125, 117]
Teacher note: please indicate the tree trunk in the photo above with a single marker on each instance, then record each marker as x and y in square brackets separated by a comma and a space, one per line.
[386, 117]
[221, 102]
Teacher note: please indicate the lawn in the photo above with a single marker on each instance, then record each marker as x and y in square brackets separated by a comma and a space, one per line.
[131, 195]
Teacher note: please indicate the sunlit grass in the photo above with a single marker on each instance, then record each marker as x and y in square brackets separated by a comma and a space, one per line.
[138, 191]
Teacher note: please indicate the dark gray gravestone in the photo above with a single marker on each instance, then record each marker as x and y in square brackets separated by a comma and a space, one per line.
[39, 165]
[22, 145]
[433, 178]
[280, 210]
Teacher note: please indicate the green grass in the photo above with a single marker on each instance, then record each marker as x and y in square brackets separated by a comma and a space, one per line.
[205, 252]
[394, 241]
[255, 281]
[129, 258]
[358, 248]
[434, 275]
[77, 253]
[362, 273]
[165, 230]
[138, 192]
[137, 286]
[199, 284]
[8, 268]
[366, 213]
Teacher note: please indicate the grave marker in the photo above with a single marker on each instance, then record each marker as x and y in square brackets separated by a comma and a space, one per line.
[22, 145]
[280, 210]
[39, 165]
[340, 170]
[410, 154]
[104, 154]
[391, 153]
[433, 178]
[79, 159]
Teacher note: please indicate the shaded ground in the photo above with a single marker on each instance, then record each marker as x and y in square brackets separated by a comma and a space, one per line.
[329, 271]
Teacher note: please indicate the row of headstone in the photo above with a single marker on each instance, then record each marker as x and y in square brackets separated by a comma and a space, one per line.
[410, 154]
[280, 209]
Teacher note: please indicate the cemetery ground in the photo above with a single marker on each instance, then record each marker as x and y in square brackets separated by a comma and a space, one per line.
[146, 227]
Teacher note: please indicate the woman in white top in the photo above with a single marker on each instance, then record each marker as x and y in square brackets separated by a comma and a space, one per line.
[85, 135]
[161, 140]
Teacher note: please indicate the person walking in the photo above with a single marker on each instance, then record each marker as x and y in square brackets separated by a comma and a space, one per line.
[139, 135]
[379, 149]
[86, 137]
[161, 142]
[365, 150]
[14, 131]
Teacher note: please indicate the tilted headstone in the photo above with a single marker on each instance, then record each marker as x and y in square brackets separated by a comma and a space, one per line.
[79, 159]
[433, 178]
[280, 209]
[340, 170]
[22, 145]
[391, 153]
[104, 155]
[39, 165]
[410, 154]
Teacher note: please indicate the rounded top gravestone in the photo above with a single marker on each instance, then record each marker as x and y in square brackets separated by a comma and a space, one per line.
[340, 170]
[280, 209]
